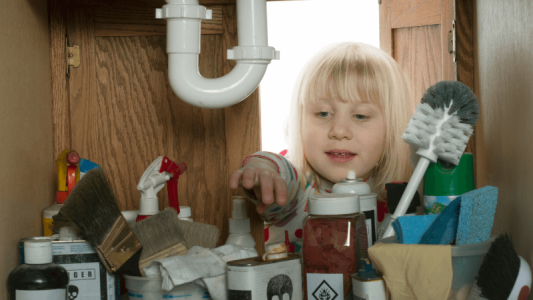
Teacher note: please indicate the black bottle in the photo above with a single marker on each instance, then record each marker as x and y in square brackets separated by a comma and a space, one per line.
[38, 278]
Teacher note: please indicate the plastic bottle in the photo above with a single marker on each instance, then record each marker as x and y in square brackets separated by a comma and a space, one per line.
[368, 201]
[68, 174]
[38, 278]
[334, 242]
[185, 213]
[239, 225]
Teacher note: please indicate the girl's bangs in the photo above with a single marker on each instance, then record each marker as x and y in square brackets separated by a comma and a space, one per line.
[346, 83]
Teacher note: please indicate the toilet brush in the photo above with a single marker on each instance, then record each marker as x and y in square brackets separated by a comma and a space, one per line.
[440, 128]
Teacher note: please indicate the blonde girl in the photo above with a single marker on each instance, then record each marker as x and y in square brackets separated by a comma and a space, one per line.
[350, 106]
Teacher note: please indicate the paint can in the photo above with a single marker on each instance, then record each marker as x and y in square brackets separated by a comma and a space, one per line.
[88, 278]
[255, 279]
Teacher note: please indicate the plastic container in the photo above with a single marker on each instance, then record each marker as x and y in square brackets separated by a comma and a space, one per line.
[38, 278]
[368, 202]
[445, 182]
[150, 288]
[466, 260]
[334, 240]
[130, 216]
[239, 225]
[185, 214]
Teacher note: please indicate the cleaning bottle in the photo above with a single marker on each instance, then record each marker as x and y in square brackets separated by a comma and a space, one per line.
[38, 277]
[68, 174]
[367, 199]
[161, 170]
[443, 182]
[239, 225]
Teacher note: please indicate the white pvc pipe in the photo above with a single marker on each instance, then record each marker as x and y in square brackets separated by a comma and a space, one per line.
[183, 47]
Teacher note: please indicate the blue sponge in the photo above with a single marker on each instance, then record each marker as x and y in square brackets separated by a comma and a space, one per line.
[409, 229]
[443, 230]
[477, 215]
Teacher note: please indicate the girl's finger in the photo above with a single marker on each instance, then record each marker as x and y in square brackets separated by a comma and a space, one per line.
[248, 178]
[261, 207]
[235, 178]
[281, 190]
[267, 187]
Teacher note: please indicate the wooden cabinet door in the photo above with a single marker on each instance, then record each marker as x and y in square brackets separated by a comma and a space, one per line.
[415, 33]
[118, 110]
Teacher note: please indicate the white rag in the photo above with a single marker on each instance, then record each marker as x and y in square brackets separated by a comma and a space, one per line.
[205, 267]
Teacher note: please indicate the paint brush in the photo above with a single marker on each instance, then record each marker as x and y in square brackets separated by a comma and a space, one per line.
[161, 236]
[92, 206]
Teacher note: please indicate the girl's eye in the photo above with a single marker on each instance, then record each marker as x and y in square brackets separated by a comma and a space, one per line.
[360, 117]
[323, 114]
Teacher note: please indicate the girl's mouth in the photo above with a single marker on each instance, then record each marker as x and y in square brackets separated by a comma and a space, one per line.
[340, 156]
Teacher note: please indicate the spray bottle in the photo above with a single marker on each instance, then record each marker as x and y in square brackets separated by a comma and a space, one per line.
[160, 171]
[239, 225]
[68, 174]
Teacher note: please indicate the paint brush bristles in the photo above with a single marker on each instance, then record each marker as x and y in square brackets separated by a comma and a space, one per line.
[92, 206]
[161, 236]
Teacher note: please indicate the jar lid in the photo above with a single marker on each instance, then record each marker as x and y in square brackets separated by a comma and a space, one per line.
[334, 204]
[38, 251]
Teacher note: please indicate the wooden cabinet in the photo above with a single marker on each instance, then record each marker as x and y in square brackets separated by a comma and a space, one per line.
[118, 110]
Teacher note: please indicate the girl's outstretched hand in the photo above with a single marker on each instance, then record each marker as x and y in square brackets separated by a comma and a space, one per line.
[262, 177]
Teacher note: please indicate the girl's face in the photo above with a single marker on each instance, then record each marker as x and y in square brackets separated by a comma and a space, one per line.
[339, 136]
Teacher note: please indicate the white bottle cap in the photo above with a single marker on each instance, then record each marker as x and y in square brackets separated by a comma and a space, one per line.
[38, 252]
[239, 208]
[334, 204]
[185, 212]
[351, 174]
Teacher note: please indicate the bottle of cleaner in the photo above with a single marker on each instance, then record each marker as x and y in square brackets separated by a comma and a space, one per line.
[160, 171]
[38, 278]
[68, 174]
[367, 199]
[239, 225]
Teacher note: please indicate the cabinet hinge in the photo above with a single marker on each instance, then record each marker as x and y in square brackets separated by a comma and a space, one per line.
[72, 56]
[452, 41]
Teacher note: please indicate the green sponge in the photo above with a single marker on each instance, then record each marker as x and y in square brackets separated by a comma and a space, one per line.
[477, 215]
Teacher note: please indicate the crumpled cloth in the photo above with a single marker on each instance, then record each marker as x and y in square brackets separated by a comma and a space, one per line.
[414, 271]
[205, 267]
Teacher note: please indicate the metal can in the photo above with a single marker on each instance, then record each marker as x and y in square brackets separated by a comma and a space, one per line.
[255, 279]
[88, 278]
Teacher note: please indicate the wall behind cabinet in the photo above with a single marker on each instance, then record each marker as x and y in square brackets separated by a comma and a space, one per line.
[26, 165]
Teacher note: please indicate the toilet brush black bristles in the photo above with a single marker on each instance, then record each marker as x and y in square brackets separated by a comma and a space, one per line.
[499, 270]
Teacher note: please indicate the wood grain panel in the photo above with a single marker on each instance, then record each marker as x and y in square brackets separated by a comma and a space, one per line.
[60, 99]
[448, 15]
[141, 21]
[410, 13]
[139, 3]
[418, 52]
[385, 30]
[82, 82]
[464, 14]
[243, 130]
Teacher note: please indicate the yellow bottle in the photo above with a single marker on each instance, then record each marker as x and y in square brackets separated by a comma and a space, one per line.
[68, 174]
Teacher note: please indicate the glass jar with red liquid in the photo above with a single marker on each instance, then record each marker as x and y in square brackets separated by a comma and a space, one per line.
[334, 241]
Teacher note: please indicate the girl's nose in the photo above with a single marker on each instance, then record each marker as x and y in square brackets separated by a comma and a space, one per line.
[341, 129]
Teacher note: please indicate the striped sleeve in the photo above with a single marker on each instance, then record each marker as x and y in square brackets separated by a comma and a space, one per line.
[296, 184]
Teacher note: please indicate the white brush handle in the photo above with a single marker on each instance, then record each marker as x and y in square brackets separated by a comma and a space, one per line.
[409, 192]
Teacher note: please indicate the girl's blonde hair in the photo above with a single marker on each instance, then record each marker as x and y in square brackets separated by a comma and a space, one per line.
[349, 71]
